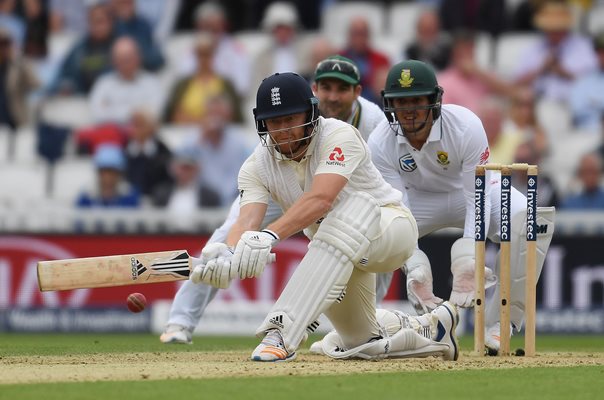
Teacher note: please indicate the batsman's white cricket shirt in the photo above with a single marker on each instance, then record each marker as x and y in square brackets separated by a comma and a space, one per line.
[336, 148]
[445, 164]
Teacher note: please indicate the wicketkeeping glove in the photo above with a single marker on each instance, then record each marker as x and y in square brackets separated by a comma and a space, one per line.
[462, 267]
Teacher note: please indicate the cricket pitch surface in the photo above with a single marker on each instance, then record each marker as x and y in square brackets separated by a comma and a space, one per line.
[221, 364]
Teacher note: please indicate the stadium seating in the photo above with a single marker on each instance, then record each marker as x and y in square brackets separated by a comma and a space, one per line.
[595, 20]
[508, 50]
[402, 20]
[71, 177]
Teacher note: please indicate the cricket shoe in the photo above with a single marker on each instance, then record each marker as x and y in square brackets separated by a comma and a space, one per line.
[272, 349]
[177, 334]
[317, 347]
[492, 338]
[448, 318]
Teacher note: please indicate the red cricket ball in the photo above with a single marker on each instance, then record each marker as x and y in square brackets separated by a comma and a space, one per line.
[136, 302]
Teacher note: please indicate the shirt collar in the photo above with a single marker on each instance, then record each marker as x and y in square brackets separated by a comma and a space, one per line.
[434, 136]
[355, 114]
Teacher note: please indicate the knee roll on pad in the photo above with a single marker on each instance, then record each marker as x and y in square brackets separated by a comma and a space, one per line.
[351, 226]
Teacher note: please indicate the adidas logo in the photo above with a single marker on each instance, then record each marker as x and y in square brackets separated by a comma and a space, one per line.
[312, 327]
[341, 296]
[277, 320]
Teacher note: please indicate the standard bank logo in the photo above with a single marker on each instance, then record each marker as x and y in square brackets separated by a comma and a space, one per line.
[407, 163]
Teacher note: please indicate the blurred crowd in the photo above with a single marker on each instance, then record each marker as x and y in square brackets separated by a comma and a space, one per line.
[166, 87]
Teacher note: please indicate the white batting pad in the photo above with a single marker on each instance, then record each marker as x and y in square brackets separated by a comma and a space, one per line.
[321, 277]
[404, 342]
[351, 225]
[546, 224]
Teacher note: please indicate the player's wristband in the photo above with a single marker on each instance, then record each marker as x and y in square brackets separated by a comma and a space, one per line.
[276, 238]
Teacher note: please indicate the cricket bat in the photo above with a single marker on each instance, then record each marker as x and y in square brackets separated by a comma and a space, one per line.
[119, 270]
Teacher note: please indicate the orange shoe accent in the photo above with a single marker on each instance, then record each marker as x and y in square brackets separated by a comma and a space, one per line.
[275, 351]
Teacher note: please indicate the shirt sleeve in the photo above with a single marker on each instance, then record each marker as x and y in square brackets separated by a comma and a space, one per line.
[251, 188]
[341, 152]
[475, 151]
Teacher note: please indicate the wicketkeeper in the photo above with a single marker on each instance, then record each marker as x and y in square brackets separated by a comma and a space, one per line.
[431, 151]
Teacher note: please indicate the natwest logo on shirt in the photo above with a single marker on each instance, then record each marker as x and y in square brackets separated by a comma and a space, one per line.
[336, 154]
[484, 157]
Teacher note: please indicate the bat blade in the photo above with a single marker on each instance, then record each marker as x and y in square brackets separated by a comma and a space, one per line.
[117, 270]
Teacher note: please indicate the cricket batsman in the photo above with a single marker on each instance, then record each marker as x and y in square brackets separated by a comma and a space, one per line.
[431, 151]
[337, 86]
[319, 171]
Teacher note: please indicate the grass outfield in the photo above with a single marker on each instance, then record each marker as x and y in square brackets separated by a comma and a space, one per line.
[582, 377]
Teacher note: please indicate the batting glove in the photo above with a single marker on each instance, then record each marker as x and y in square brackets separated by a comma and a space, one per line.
[214, 266]
[253, 252]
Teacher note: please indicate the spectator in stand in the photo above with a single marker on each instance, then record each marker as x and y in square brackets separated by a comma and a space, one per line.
[559, 57]
[127, 23]
[221, 147]
[371, 63]
[601, 147]
[285, 52]
[547, 194]
[431, 44]
[147, 157]
[12, 23]
[587, 94]
[187, 103]
[89, 58]
[502, 146]
[111, 190]
[320, 49]
[35, 16]
[184, 195]
[475, 15]
[591, 196]
[521, 122]
[161, 15]
[17, 81]
[68, 16]
[230, 59]
[117, 94]
[523, 16]
[464, 82]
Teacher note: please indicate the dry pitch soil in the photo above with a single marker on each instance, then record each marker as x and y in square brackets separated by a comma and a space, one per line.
[205, 365]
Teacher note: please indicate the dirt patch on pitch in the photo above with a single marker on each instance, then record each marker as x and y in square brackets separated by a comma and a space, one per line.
[205, 365]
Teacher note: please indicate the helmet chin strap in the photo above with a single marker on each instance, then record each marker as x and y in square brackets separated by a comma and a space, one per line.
[415, 130]
[301, 144]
